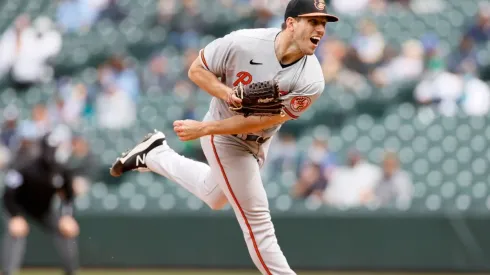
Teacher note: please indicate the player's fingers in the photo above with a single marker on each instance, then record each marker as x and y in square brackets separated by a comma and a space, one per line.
[178, 122]
[237, 100]
[179, 128]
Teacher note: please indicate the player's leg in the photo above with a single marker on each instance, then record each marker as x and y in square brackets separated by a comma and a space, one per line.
[67, 247]
[13, 249]
[241, 182]
[194, 176]
[155, 155]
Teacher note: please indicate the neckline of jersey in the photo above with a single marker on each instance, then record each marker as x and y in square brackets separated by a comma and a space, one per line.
[287, 65]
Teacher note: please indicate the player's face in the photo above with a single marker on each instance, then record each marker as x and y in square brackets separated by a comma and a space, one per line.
[308, 32]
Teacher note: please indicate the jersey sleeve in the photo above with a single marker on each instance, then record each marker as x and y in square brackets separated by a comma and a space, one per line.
[215, 55]
[299, 100]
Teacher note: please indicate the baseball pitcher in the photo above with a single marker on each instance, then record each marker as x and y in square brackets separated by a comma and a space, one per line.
[259, 79]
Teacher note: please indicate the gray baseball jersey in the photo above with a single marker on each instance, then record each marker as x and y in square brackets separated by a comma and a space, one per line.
[232, 173]
[247, 56]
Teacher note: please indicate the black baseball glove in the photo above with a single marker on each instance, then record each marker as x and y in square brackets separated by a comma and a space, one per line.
[258, 99]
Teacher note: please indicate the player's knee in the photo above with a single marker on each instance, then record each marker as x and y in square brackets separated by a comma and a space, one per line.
[19, 231]
[217, 205]
[68, 227]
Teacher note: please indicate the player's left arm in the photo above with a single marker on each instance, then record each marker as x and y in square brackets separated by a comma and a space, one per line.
[238, 124]
[242, 125]
[295, 104]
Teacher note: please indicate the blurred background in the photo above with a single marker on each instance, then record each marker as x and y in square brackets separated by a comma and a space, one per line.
[388, 170]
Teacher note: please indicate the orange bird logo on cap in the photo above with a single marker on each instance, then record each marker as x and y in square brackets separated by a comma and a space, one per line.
[320, 4]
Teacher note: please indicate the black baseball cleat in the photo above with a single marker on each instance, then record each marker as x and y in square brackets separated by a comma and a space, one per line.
[135, 159]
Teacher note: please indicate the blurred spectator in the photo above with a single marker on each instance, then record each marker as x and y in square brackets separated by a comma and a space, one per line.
[190, 55]
[82, 161]
[368, 47]
[394, 187]
[115, 109]
[448, 92]
[9, 136]
[76, 15]
[349, 185]
[188, 26]
[26, 51]
[74, 104]
[167, 9]
[427, 6]
[190, 110]
[409, 65]
[479, 31]
[117, 74]
[403, 3]
[5, 157]
[283, 155]
[464, 59]
[27, 147]
[319, 154]
[351, 7]
[115, 104]
[267, 13]
[475, 98]
[315, 168]
[38, 125]
[433, 58]
[155, 74]
[333, 54]
[184, 89]
[310, 182]
[9, 132]
[369, 42]
[69, 104]
[110, 10]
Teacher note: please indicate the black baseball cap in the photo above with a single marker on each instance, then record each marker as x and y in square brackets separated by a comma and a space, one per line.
[303, 8]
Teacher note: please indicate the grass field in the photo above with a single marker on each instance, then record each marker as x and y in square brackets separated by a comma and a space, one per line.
[215, 272]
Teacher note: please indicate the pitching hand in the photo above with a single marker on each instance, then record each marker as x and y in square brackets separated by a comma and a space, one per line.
[188, 129]
[233, 100]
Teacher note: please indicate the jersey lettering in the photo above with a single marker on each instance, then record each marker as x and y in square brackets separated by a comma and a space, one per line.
[140, 159]
[243, 77]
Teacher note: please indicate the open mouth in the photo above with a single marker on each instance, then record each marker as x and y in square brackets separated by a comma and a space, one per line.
[315, 40]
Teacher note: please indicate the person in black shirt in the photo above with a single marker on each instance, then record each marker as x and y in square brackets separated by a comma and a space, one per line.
[30, 189]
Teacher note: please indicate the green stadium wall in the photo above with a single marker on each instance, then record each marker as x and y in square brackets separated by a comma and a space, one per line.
[374, 242]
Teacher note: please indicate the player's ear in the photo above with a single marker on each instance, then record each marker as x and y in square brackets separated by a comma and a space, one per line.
[290, 23]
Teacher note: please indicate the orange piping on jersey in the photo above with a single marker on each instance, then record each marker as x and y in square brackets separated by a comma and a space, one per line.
[239, 208]
[289, 113]
[203, 59]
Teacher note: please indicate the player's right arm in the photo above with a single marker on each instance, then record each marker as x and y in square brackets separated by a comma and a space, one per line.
[238, 124]
[211, 64]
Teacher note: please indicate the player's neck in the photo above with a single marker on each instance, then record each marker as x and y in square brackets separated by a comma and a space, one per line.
[286, 51]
